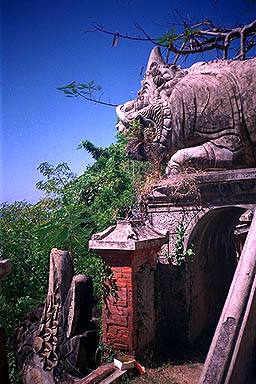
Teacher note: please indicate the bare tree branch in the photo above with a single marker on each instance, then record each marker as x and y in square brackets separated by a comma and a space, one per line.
[197, 38]
[199, 42]
[97, 101]
[99, 28]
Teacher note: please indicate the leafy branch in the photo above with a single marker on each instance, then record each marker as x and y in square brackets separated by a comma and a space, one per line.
[86, 91]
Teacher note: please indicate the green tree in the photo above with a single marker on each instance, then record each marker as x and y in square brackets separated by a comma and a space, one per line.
[72, 209]
[21, 244]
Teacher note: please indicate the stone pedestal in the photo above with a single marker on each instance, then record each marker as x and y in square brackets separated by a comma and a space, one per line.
[5, 269]
[130, 249]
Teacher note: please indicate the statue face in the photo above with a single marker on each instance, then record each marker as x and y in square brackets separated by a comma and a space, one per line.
[151, 108]
[152, 93]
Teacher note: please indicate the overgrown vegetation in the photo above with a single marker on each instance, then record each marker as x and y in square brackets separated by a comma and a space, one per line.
[72, 210]
[181, 256]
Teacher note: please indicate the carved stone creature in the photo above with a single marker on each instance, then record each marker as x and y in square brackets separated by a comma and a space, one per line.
[57, 342]
[204, 116]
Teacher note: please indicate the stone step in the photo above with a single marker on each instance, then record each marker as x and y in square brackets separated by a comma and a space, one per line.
[104, 374]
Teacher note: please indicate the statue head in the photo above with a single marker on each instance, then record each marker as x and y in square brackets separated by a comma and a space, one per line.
[150, 109]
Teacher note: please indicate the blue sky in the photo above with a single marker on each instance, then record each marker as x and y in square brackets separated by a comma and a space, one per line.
[44, 46]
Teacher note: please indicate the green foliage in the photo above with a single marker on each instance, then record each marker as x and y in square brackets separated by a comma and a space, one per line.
[181, 256]
[19, 242]
[96, 152]
[72, 210]
[57, 178]
[171, 36]
[87, 204]
[75, 89]
[168, 38]
[189, 32]
[108, 186]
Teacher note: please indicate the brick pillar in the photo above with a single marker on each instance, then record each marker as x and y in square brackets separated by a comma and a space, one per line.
[119, 311]
[5, 269]
[122, 313]
[129, 319]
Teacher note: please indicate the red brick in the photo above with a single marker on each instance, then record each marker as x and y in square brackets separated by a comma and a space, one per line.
[118, 275]
[122, 303]
[122, 296]
[120, 347]
[127, 276]
[113, 328]
[123, 332]
[121, 283]
[115, 310]
[118, 320]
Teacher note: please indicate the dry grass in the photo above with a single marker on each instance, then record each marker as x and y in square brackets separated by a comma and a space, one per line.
[188, 373]
[180, 187]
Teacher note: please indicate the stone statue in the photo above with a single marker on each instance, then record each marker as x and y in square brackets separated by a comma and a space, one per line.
[202, 117]
[57, 342]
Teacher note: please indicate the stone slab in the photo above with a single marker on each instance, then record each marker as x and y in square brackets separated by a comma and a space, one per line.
[128, 235]
[98, 375]
[113, 377]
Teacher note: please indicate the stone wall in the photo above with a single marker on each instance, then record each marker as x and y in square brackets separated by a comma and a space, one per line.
[192, 295]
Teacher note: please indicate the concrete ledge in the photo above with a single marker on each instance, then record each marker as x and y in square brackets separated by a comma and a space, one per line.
[230, 175]
[214, 188]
